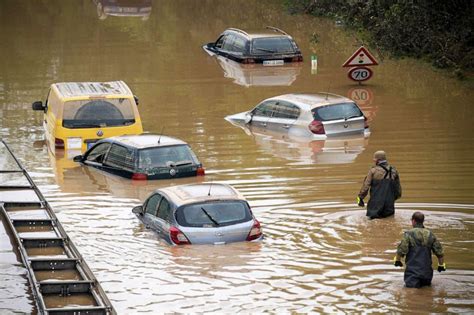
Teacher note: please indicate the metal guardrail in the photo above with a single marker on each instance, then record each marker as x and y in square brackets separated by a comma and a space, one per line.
[60, 279]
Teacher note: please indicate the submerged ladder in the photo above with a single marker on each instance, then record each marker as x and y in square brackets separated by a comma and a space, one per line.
[60, 279]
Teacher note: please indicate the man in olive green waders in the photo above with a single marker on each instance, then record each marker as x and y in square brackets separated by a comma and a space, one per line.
[384, 184]
[417, 245]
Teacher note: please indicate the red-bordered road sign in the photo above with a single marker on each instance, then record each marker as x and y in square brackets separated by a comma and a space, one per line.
[359, 74]
[361, 57]
[362, 96]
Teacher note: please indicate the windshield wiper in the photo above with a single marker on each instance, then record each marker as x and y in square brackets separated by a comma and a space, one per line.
[128, 122]
[353, 116]
[179, 163]
[266, 50]
[209, 216]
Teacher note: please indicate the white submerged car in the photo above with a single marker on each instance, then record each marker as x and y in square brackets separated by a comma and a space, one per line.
[318, 116]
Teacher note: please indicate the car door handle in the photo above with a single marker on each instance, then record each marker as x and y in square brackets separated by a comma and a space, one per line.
[286, 126]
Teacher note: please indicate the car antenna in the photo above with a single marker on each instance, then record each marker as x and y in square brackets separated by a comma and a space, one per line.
[210, 186]
[161, 133]
[327, 93]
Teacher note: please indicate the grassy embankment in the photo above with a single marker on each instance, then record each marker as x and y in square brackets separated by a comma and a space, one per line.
[437, 31]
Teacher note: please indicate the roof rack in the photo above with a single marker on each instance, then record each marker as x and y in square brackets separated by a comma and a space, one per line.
[276, 29]
[238, 30]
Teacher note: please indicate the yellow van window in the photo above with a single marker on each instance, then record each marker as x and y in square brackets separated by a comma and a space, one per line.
[53, 104]
[98, 113]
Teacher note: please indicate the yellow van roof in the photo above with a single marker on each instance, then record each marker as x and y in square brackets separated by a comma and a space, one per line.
[83, 89]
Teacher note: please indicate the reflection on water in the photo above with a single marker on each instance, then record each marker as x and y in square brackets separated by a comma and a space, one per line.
[259, 75]
[302, 150]
[364, 97]
[320, 253]
[125, 8]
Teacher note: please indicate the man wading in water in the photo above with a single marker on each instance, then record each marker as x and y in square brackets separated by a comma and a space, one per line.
[384, 184]
[417, 245]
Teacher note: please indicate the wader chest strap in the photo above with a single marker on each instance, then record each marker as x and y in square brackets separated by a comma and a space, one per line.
[388, 172]
[419, 242]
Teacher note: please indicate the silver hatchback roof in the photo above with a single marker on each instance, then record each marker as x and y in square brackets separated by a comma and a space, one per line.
[310, 101]
[186, 194]
[78, 89]
[147, 140]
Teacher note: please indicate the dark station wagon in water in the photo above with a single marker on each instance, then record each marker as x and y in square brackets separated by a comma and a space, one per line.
[272, 47]
[207, 213]
[145, 156]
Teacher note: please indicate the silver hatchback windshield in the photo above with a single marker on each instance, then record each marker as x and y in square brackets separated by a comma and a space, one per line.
[336, 111]
[97, 113]
[213, 214]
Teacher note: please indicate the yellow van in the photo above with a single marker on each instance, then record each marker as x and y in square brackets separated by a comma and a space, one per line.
[77, 114]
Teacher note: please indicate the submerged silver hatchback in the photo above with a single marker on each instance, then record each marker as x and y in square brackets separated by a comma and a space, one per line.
[317, 116]
[206, 213]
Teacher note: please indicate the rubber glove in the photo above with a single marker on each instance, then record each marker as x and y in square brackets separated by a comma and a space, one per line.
[398, 263]
[442, 267]
[360, 202]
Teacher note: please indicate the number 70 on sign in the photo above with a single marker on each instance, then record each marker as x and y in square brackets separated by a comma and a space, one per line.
[359, 74]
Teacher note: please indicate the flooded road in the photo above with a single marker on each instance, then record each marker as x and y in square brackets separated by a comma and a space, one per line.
[320, 253]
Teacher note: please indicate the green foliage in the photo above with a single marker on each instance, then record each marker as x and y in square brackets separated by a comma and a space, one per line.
[437, 30]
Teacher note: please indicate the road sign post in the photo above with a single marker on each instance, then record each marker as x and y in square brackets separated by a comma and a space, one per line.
[358, 62]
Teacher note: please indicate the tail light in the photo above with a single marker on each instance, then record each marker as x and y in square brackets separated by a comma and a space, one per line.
[59, 143]
[255, 231]
[139, 176]
[366, 123]
[248, 60]
[200, 171]
[317, 127]
[297, 59]
[178, 237]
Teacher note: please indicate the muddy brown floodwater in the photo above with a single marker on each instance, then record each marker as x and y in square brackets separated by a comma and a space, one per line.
[320, 253]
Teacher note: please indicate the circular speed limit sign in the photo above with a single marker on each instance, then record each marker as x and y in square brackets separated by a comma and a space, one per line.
[359, 74]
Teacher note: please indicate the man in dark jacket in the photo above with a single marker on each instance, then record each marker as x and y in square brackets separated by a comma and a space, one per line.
[384, 184]
[417, 245]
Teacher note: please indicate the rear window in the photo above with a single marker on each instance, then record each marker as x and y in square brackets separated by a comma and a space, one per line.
[336, 111]
[98, 113]
[213, 214]
[267, 45]
[166, 156]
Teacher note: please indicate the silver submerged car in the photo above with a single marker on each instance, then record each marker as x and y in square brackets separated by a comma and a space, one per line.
[318, 116]
[206, 213]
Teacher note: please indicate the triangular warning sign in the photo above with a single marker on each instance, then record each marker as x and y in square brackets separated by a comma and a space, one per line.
[361, 57]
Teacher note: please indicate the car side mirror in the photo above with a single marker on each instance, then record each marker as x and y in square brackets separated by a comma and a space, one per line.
[38, 105]
[136, 99]
[248, 117]
[138, 210]
[78, 158]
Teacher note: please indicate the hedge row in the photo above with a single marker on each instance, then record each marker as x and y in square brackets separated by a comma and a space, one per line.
[440, 31]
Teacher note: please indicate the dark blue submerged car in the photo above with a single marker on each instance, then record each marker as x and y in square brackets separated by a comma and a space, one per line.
[270, 47]
[144, 156]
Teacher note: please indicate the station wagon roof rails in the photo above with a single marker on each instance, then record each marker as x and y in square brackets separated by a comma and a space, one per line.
[238, 30]
[276, 29]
